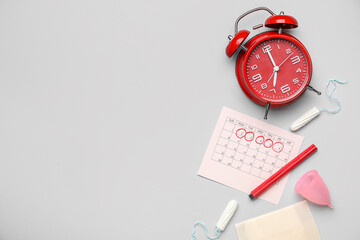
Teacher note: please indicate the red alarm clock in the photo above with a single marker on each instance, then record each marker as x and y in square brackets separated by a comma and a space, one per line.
[273, 68]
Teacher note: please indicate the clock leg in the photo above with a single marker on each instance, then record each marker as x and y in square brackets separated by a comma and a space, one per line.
[313, 89]
[267, 108]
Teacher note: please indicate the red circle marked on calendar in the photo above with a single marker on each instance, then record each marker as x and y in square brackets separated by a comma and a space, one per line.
[278, 147]
[268, 143]
[260, 140]
[249, 136]
[241, 132]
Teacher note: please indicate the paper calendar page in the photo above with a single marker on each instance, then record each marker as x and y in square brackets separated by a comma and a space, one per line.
[244, 151]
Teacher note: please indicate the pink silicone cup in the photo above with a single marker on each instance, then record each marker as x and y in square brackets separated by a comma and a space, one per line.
[312, 187]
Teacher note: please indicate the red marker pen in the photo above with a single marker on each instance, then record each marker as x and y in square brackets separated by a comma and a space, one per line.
[283, 171]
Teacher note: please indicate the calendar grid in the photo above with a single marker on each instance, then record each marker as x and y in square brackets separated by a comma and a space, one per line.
[250, 149]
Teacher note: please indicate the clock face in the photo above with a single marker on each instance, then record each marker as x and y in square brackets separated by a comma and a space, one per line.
[276, 70]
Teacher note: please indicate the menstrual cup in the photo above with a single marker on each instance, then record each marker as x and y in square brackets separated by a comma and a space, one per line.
[312, 187]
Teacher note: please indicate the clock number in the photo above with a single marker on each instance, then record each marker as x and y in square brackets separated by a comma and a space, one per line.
[295, 81]
[288, 51]
[298, 70]
[278, 46]
[295, 59]
[267, 48]
[257, 56]
[273, 90]
[257, 77]
[253, 67]
[263, 86]
[285, 88]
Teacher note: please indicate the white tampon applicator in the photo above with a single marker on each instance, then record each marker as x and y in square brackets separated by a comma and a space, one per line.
[314, 112]
[305, 119]
[221, 223]
[226, 215]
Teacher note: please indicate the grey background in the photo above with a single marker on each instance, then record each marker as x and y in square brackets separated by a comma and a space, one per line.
[107, 108]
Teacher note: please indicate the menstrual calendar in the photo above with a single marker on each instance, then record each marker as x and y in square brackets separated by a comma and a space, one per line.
[244, 151]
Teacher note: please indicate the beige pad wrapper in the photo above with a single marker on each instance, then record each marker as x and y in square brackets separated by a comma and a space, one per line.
[294, 222]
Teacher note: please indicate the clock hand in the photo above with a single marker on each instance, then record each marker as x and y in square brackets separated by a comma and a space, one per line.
[276, 68]
[271, 58]
[275, 77]
[271, 76]
[285, 59]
